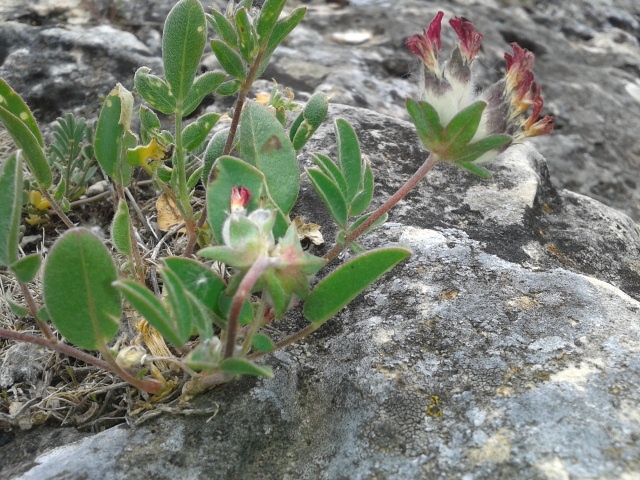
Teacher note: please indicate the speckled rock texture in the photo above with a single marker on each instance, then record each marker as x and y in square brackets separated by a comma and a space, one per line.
[506, 347]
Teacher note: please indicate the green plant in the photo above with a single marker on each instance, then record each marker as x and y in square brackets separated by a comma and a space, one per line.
[250, 172]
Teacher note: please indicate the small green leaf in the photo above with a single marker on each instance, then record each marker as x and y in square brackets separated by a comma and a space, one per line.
[194, 178]
[120, 229]
[111, 138]
[477, 149]
[149, 124]
[155, 91]
[14, 104]
[214, 150]
[17, 309]
[229, 88]
[195, 133]
[242, 366]
[461, 129]
[203, 85]
[427, 122]
[230, 60]
[183, 40]
[223, 28]
[331, 170]
[344, 284]
[27, 267]
[78, 292]
[271, 10]
[23, 137]
[152, 309]
[475, 169]
[282, 28]
[199, 280]
[349, 157]
[246, 35]
[265, 145]
[278, 295]
[181, 307]
[261, 343]
[11, 201]
[331, 195]
[246, 314]
[365, 194]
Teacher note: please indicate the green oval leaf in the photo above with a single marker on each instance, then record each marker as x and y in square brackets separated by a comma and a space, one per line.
[15, 105]
[183, 40]
[262, 343]
[247, 40]
[181, 307]
[281, 29]
[195, 133]
[241, 366]
[27, 267]
[112, 137]
[229, 88]
[214, 150]
[331, 170]
[199, 280]
[155, 91]
[203, 85]
[364, 196]
[230, 60]
[461, 129]
[264, 144]
[11, 201]
[152, 309]
[330, 195]
[120, 229]
[223, 28]
[271, 10]
[427, 122]
[78, 292]
[349, 157]
[344, 284]
[477, 149]
[31, 150]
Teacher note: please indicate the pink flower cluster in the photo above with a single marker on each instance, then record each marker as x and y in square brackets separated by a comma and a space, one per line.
[450, 88]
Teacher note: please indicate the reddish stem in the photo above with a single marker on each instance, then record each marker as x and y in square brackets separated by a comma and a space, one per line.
[385, 207]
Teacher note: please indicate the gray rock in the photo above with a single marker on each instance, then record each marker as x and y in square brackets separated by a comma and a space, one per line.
[488, 354]
[69, 67]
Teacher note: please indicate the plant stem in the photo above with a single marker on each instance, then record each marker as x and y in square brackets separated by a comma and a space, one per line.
[56, 208]
[256, 325]
[33, 309]
[147, 385]
[425, 168]
[244, 291]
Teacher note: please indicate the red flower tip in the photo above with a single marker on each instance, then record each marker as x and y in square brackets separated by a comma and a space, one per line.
[519, 65]
[470, 40]
[240, 197]
[427, 46]
[534, 127]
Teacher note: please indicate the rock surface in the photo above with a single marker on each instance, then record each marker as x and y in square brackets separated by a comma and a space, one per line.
[508, 346]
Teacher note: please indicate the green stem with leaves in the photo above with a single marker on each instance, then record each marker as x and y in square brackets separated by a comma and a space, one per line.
[425, 168]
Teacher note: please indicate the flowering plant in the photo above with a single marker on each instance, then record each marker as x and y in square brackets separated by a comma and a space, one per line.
[215, 320]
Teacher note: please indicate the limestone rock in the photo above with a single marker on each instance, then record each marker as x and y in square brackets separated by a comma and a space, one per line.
[495, 351]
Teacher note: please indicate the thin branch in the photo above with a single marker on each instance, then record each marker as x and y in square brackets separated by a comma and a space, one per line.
[425, 168]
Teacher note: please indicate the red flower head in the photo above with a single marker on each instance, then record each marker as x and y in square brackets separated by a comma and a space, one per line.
[240, 197]
[470, 40]
[427, 46]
